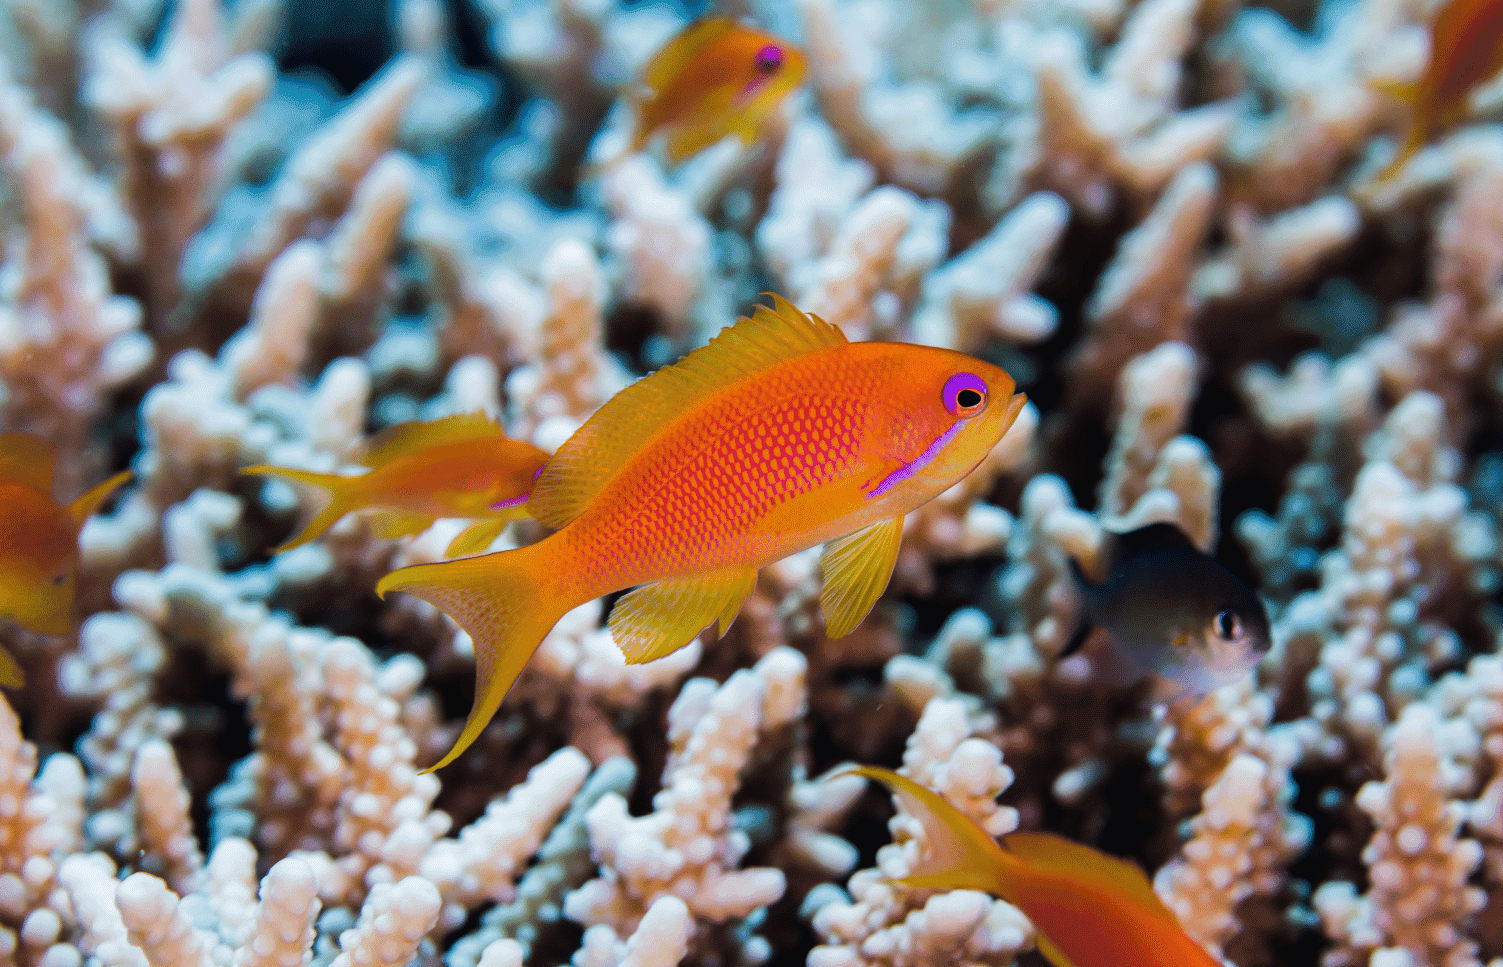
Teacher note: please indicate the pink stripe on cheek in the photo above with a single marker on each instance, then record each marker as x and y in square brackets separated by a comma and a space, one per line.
[918, 463]
[510, 502]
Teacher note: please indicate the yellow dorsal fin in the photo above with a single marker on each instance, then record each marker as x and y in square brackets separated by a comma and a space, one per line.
[632, 417]
[669, 61]
[405, 439]
[27, 460]
[1086, 866]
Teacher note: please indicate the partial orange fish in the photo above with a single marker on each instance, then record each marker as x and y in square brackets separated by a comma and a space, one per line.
[459, 466]
[1466, 50]
[777, 436]
[1088, 909]
[715, 78]
[38, 541]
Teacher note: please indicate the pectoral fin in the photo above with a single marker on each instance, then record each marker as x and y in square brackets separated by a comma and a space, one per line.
[659, 619]
[856, 569]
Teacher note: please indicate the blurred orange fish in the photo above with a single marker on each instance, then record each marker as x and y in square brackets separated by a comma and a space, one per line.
[777, 436]
[1466, 50]
[1088, 909]
[715, 78]
[459, 466]
[38, 541]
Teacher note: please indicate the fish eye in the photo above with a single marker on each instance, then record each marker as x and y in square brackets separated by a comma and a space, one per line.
[1227, 626]
[965, 395]
[769, 59]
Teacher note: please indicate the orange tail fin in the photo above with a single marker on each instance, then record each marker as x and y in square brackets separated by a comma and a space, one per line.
[338, 499]
[958, 853]
[505, 603]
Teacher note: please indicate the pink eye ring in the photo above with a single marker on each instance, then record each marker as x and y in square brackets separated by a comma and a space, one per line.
[769, 59]
[965, 395]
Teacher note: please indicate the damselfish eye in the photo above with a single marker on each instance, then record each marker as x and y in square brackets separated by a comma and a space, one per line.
[1228, 627]
[769, 59]
[965, 395]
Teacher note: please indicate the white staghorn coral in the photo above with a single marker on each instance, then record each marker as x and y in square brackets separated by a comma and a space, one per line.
[688, 846]
[1419, 901]
[885, 924]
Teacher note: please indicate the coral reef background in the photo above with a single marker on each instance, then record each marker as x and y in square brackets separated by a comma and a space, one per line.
[259, 232]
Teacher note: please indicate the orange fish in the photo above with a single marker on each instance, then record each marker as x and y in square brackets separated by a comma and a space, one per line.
[715, 78]
[459, 466]
[1088, 909]
[1466, 50]
[777, 436]
[38, 541]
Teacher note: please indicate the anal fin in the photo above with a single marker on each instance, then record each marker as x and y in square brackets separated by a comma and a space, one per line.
[857, 568]
[658, 619]
[480, 535]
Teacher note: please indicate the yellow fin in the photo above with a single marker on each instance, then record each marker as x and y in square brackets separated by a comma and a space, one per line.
[687, 140]
[957, 853]
[1406, 91]
[668, 63]
[399, 523]
[405, 439]
[11, 675]
[631, 418]
[480, 535]
[338, 498]
[1051, 953]
[659, 619]
[1087, 866]
[84, 507]
[856, 569]
[506, 604]
[28, 460]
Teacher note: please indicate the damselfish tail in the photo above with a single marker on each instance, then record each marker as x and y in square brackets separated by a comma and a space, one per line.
[337, 495]
[957, 853]
[505, 602]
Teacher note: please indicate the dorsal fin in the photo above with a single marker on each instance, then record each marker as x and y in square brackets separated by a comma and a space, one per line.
[669, 61]
[632, 417]
[27, 460]
[405, 439]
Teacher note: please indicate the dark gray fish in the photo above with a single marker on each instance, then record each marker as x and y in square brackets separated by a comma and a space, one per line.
[1169, 609]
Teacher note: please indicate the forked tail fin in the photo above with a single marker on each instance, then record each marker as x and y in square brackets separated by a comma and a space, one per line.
[957, 853]
[338, 499]
[506, 604]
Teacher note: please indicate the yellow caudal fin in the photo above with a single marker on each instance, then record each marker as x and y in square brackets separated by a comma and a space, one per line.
[338, 498]
[957, 853]
[505, 602]
[83, 508]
